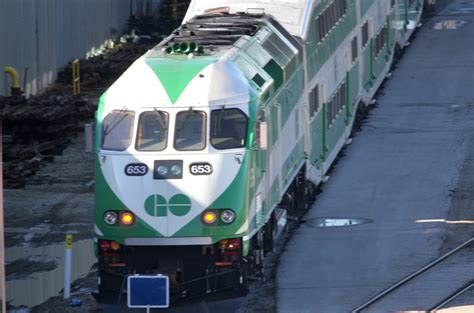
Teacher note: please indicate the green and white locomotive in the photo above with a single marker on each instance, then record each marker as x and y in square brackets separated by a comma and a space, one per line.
[209, 140]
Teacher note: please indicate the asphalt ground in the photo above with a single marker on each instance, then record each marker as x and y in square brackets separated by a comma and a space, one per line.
[409, 172]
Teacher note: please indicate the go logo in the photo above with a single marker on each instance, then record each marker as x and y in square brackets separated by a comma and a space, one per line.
[156, 205]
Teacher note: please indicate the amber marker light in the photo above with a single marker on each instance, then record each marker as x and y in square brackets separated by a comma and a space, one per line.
[114, 245]
[209, 217]
[127, 218]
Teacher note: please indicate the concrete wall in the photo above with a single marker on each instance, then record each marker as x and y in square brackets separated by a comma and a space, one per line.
[44, 35]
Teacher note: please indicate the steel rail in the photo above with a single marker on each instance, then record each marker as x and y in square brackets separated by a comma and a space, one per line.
[411, 276]
[451, 298]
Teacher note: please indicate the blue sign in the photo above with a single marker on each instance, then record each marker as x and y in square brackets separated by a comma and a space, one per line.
[148, 292]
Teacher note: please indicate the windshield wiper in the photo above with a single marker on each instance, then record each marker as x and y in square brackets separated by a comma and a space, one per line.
[110, 128]
[160, 120]
[190, 112]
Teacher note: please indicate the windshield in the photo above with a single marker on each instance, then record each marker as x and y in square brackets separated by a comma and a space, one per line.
[190, 132]
[117, 129]
[152, 131]
[228, 129]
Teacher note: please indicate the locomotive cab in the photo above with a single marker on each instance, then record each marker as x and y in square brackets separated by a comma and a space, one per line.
[182, 187]
[180, 175]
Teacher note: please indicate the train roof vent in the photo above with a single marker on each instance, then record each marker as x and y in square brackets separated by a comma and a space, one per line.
[278, 49]
[280, 52]
[217, 29]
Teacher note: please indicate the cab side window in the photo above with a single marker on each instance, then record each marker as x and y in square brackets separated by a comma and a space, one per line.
[228, 129]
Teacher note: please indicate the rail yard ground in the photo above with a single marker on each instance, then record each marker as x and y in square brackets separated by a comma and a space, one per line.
[413, 160]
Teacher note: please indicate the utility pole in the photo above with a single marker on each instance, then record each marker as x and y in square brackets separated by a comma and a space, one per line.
[3, 299]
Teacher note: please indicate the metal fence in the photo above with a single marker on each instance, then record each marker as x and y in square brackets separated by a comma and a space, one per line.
[42, 36]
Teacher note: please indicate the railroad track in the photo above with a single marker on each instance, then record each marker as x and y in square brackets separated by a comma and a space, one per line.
[433, 287]
[456, 298]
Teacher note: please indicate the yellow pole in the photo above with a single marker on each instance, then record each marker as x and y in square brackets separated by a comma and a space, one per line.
[68, 241]
[68, 267]
[15, 79]
[76, 77]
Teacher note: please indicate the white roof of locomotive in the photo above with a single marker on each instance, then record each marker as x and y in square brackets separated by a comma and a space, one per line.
[294, 15]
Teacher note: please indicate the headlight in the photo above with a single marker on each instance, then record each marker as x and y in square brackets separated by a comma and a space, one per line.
[111, 218]
[162, 170]
[176, 170]
[227, 216]
[168, 169]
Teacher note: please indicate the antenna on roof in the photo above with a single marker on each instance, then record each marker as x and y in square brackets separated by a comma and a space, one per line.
[219, 10]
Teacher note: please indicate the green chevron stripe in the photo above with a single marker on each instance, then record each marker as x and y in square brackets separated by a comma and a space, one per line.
[176, 74]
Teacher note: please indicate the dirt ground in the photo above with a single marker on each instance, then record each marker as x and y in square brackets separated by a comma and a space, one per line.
[57, 201]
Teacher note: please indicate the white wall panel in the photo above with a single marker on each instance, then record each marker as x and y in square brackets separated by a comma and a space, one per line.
[44, 35]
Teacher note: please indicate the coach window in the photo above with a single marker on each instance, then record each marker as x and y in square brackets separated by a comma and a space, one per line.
[190, 130]
[380, 40]
[228, 129]
[321, 32]
[152, 131]
[314, 101]
[354, 50]
[365, 34]
[330, 112]
[117, 129]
